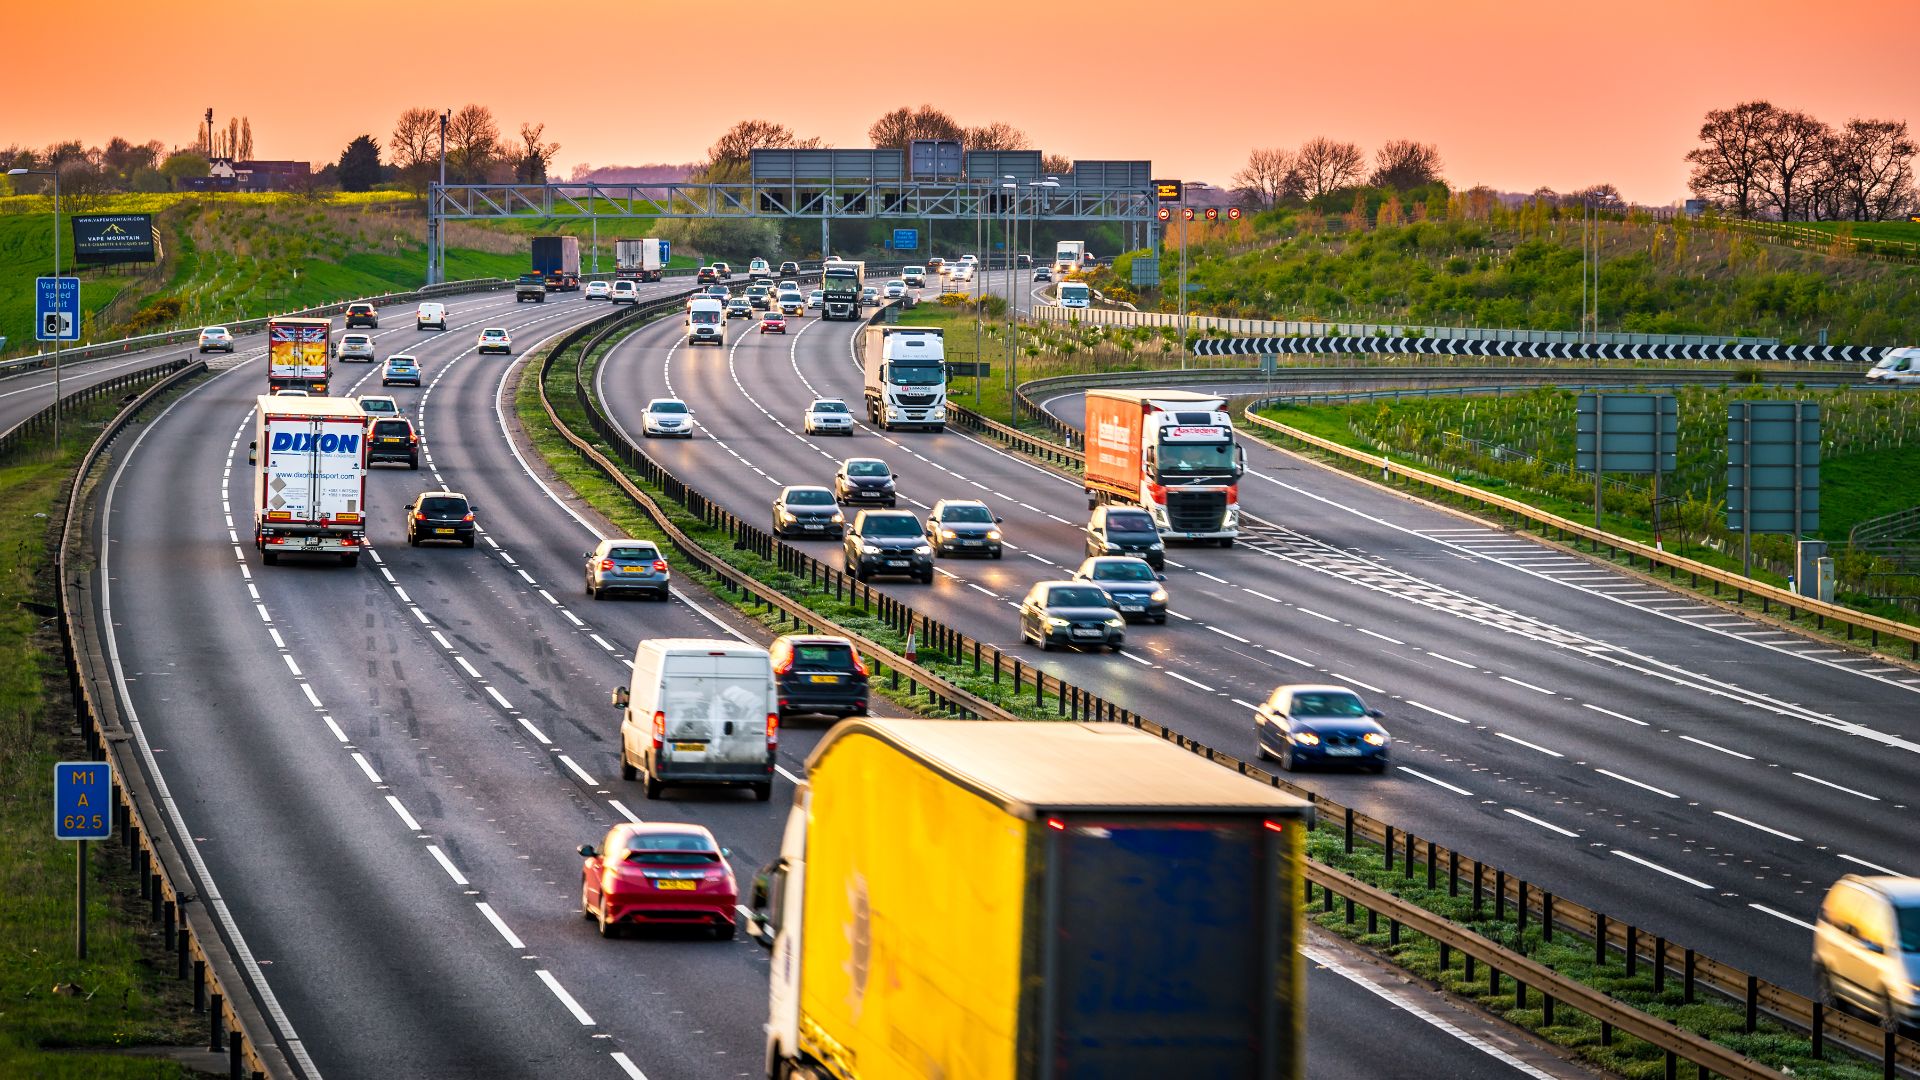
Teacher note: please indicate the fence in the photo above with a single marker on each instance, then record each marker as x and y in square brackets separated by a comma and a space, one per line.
[27, 431]
[221, 991]
[948, 645]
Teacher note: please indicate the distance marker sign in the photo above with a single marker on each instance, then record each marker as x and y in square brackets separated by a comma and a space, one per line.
[83, 800]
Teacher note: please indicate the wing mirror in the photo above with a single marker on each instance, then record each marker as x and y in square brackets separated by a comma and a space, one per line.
[1376, 714]
[587, 850]
[1162, 577]
[620, 697]
[253, 449]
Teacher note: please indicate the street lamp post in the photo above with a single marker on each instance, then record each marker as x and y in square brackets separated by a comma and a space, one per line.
[55, 173]
[1012, 187]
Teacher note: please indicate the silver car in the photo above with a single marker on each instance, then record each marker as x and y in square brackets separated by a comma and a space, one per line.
[216, 338]
[627, 566]
[829, 416]
[356, 347]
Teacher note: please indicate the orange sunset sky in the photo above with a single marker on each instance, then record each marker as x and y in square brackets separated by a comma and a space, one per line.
[1516, 95]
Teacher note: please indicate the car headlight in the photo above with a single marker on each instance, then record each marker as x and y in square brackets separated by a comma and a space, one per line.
[923, 550]
[993, 534]
[1056, 623]
[1159, 596]
[1116, 621]
[1374, 738]
[948, 533]
[1155, 546]
[839, 518]
[1305, 738]
[1113, 547]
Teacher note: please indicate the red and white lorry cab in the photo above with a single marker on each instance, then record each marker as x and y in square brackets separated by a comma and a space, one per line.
[1170, 452]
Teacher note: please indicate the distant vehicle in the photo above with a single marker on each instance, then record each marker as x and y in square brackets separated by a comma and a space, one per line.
[786, 287]
[1321, 725]
[1123, 530]
[915, 276]
[1133, 584]
[969, 260]
[1171, 453]
[699, 711]
[758, 269]
[495, 339]
[800, 511]
[706, 322]
[401, 369]
[667, 417]
[298, 356]
[599, 290]
[819, 673]
[393, 439]
[738, 308]
[640, 260]
[814, 299]
[1866, 946]
[887, 542]
[216, 339]
[1068, 256]
[773, 322]
[378, 405]
[936, 267]
[1042, 273]
[557, 258]
[960, 272]
[1074, 294]
[706, 275]
[759, 295]
[530, 286]
[628, 566]
[440, 517]
[1071, 613]
[309, 456]
[1897, 366]
[724, 269]
[791, 302]
[964, 527]
[658, 874]
[904, 377]
[789, 269]
[895, 289]
[866, 481]
[718, 292]
[623, 292]
[840, 282]
[869, 296]
[355, 347]
[361, 313]
[430, 316]
[828, 415]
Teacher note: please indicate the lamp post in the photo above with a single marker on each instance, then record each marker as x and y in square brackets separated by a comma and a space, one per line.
[1590, 253]
[1013, 348]
[55, 173]
[1012, 187]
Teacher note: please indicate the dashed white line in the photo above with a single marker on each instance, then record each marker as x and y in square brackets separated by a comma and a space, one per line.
[578, 771]
[447, 865]
[1871, 866]
[602, 642]
[307, 689]
[1437, 712]
[360, 760]
[1225, 634]
[1837, 787]
[513, 939]
[335, 728]
[1715, 746]
[1284, 656]
[1382, 637]
[627, 1066]
[1317, 615]
[1757, 825]
[537, 733]
[566, 999]
[1675, 874]
[1435, 781]
[1547, 825]
[1356, 682]
[1662, 792]
[624, 812]
[405, 817]
[1764, 909]
[1615, 715]
[1529, 745]
[1190, 682]
[1527, 685]
[467, 667]
[1210, 577]
[499, 697]
[1451, 660]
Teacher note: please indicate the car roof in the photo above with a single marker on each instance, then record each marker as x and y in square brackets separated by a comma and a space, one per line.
[1103, 559]
[957, 502]
[1315, 688]
[651, 402]
[436, 492]
[824, 400]
[402, 358]
[624, 541]
[1902, 891]
[492, 329]
[626, 829]
[851, 460]
[805, 487]
[886, 513]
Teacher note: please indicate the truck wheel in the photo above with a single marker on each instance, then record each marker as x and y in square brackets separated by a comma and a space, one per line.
[1227, 542]
[271, 558]
[763, 791]
[350, 560]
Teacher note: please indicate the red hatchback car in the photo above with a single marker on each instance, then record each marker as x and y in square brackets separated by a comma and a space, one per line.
[773, 323]
[668, 875]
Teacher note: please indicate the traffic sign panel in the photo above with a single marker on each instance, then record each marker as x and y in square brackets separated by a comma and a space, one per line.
[906, 239]
[1167, 190]
[82, 801]
[56, 309]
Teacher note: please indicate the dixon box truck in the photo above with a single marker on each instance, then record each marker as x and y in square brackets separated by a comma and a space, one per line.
[299, 356]
[1170, 452]
[309, 460]
[1029, 901]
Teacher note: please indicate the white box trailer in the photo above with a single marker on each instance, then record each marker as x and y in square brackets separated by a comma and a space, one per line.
[641, 260]
[309, 478]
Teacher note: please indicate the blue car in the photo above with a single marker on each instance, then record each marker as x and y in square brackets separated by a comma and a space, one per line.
[401, 369]
[1321, 725]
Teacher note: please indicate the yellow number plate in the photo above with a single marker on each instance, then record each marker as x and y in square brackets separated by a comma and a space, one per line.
[667, 883]
[826, 678]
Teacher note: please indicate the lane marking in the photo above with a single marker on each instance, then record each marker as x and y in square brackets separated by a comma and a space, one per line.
[624, 812]
[1382, 637]
[513, 939]
[1190, 682]
[497, 696]
[578, 771]
[1436, 712]
[1630, 780]
[1315, 614]
[1528, 745]
[1615, 715]
[1547, 825]
[1357, 682]
[1837, 787]
[566, 999]
[1757, 825]
[1716, 746]
[627, 1066]
[1802, 924]
[537, 733]
[405, 818]
[447, 865]
[1675, 874]
[1436, 781]
[1451, 660]
[1527, 685]
[360, 760]
[1871, 866]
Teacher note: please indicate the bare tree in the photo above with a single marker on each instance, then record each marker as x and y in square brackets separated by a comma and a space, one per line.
[1403, 164]
[536, 155]
[1264, 178]
[995, 136]
[473, 142]
[1328, 165]
[231, 147]
[415, 138]
[1600, 193]
[1872, 169]
[903, 125]
[246, 139]
[1726, 168]
[1793, 150]
[729, 156]
[1055, 164]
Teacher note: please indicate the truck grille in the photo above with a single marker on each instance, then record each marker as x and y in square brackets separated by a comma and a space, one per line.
[1196, 511]
[915, 401]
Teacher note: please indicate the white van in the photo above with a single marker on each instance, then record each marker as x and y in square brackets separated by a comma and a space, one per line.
[706, 321]
[699, 711]
[1898, 366]
[1074, 294]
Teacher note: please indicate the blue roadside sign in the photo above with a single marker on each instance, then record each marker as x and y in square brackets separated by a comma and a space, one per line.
[56, 309]
[906, 239]
[83, 800]
[666, 252]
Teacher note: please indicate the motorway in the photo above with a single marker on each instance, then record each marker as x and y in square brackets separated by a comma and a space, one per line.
[27, 392]
[1700, 773]
[381, 773]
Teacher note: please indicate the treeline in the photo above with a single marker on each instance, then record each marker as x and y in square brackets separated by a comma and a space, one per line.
[85, 171]
[1759, 160]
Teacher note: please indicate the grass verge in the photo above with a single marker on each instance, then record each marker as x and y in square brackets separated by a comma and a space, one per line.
[60, 1015]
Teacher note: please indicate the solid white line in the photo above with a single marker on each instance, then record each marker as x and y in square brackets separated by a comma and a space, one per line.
[1868, 865]
[1837, 787]
[1756, 825]
[627, 1066]
[469, 668]
[513, 939]
[1436, 712]
[1636, 783]
[1781, 915]
[497, 696]
[1190, 682]
[1630, 857]
[1715, 746]
[1451, 660]
[624, 812]
[1317, 615]
[405, 817]
[1615, 715]
[578, 771]
[360, 760]
[1382, 637]
[566, 999]
[1528, 745]
[1224, 634]
[537, 733]
[447, 865]
[1547, 825]
[1528, 685]
[1436, 781]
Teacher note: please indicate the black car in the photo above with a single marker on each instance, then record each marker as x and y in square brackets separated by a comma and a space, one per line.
[1133, 584]
[393, 440]
[789, 269]
[964, 527]
[1124, 530]
[1071, 613]
[888, 542]
[807, 511]
[440, 516]
[817, 673]
[865, 481]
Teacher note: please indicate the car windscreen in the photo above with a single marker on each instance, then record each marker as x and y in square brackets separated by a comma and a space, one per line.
[1073, 292]
[633, 554]
[443, 508]
[220, 330]
[966, 513]
[397, 365]
[1327, 704]
[1908, 916]
[667, 407]
[868, 468]
[811, 497]
[1122, 571]
[705, 318]
[832, 657]
[891, 526]
[829, 407]
[1077, 597]
[1132, 522]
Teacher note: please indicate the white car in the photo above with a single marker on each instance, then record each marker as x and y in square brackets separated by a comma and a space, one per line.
[495, 339]
[624, 292]
[962, 271]
[829, 415]
[379, 405]
[969, 260]
[816, 298]
[216, 337]
[355, 347]
[894, 289]
[915, 276]
[792, 303]
[430, 315]
[666, 417]
[759, 269]
[598, 290]
[1897, 366]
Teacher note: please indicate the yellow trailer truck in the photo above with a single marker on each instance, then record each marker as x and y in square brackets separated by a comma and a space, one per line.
[1031, 901]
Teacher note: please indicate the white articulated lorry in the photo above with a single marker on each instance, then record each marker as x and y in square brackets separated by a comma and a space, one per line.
[309, 462]
[906, 377]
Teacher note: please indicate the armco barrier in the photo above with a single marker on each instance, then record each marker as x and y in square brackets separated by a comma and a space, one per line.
[222, 993]
[1071, 702]
[27, 431]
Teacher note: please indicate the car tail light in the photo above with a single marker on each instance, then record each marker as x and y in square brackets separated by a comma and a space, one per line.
[659, 566]
[659, 730]
[785, 666]
[773, 731]
[469, 517]
[606, 564]
[859, 665]
[419, 516]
